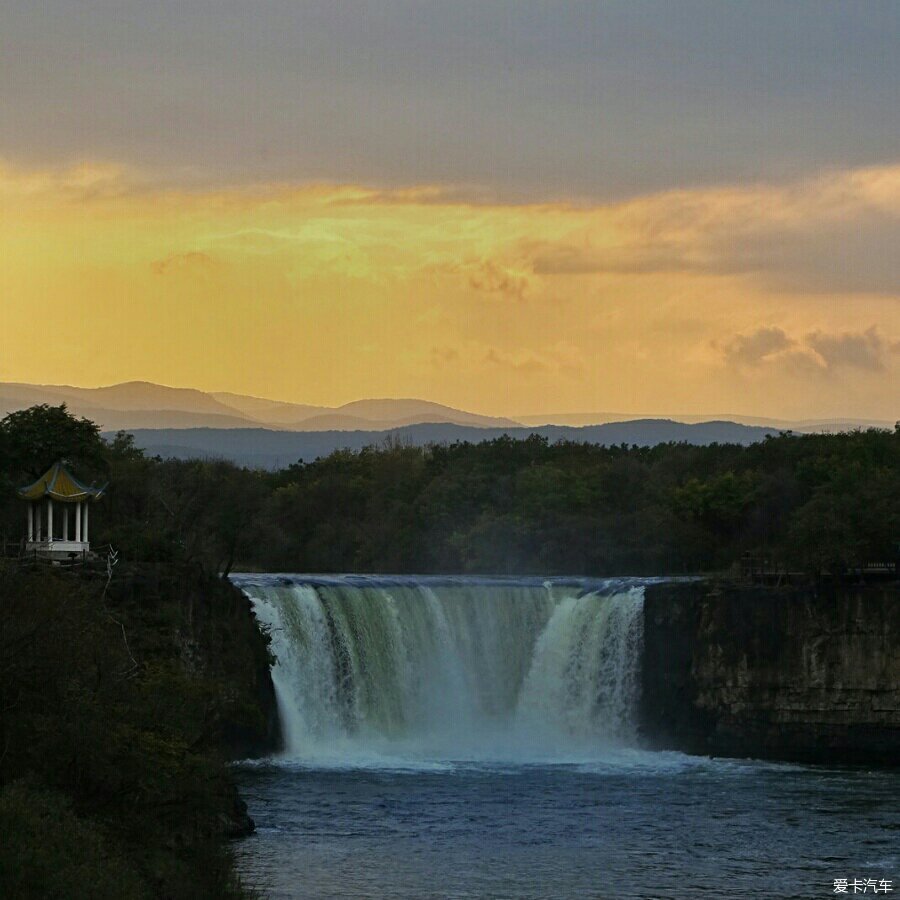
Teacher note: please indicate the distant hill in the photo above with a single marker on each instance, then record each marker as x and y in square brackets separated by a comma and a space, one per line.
[839, 423]
[266, 449]
[141, 404]
[144, 405]
[411, 412]
[136, 404]
[273, 412]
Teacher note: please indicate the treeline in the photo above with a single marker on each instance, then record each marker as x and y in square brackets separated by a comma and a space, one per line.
[816, 503]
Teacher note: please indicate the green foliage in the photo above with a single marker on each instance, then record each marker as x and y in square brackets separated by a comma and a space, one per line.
[820, 502]
[101, 714]
[31, 440]
[48, 851]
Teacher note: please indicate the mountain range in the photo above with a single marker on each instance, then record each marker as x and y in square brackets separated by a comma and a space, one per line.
[185, 423]
[266, 449]
[141, 404]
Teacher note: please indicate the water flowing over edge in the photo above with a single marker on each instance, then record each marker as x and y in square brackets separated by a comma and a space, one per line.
[421, 672]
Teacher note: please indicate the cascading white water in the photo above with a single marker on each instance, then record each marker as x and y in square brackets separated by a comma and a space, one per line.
[451, 669]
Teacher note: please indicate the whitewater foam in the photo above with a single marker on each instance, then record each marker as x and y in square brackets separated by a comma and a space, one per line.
[428, 673]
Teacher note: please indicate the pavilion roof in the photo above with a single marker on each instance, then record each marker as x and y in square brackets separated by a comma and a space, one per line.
[60, 484]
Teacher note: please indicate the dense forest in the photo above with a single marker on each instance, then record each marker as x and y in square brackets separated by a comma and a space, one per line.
[812, 503]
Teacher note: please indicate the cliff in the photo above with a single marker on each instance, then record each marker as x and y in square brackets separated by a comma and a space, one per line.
[801, 673]
[205, 625]
[121, 703]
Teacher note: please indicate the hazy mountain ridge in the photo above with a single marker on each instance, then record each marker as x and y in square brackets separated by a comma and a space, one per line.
[144, 405]
[836, 423]
[141, 404]
[266, 449]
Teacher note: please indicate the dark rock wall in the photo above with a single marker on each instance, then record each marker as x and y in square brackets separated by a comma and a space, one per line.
[800, 673]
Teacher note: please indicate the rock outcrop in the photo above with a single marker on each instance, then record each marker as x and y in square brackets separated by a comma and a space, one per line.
[800, 673]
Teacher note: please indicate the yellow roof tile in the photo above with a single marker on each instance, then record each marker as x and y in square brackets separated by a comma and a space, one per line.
[60, 484]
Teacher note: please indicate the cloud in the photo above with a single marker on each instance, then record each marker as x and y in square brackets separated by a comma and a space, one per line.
[591, 99]
[624, 259]
[193, 260]
[836, 232]
[816, 352]
[494, 278]
[315, 273]
[860, 350]
[561, 359]
[757, 347]
[521, 365]
[84, 181]
[444, 356]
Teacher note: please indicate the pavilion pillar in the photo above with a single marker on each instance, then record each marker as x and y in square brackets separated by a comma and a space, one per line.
[65, 531]
[37, 515]
[87, 507]
[30, 521]
[78, 521]
[49, 518]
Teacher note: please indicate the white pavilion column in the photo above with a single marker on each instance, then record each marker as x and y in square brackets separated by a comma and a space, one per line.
[78, 521]
[30, 521]
[87, 507]
[37, 523]
[49, 518]
[65, 531]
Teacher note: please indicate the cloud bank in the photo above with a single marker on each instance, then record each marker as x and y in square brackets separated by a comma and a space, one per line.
[779, 294]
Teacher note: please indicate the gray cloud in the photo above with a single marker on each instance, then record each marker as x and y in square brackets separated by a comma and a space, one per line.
[631, 260]
[817, 352]
[854, 256]
[757, 347]
[860, 350]
[528, 98]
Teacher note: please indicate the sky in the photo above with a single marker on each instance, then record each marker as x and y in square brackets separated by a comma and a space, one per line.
[511, 207]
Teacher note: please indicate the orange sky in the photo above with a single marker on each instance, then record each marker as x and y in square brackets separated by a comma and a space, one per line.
[512, 207]
[774, 298]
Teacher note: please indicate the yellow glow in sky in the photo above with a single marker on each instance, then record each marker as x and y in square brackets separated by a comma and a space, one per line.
[769, 299]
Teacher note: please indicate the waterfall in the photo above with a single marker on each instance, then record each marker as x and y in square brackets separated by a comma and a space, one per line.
[451, 668]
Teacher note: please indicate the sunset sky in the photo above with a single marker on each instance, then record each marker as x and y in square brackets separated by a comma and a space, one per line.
[508, 207]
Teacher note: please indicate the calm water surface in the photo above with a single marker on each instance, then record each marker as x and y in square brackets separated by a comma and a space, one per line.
[631, 824]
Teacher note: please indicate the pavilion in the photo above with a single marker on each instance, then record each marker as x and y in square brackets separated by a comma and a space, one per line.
[63, 535]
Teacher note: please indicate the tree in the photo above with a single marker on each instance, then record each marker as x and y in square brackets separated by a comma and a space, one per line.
[31, 440]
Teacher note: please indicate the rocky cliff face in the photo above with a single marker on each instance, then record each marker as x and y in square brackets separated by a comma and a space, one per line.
[804, 674]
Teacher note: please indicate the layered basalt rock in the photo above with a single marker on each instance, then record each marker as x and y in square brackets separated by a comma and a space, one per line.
[806, 674]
